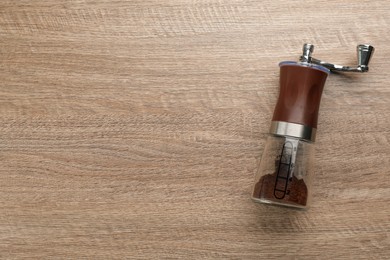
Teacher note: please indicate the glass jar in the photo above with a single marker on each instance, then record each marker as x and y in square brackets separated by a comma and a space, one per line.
[285, 172]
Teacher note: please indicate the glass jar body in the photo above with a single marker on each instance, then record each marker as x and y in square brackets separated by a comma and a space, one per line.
[285, 173]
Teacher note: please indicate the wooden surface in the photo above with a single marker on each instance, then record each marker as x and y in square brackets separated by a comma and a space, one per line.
[132, 129]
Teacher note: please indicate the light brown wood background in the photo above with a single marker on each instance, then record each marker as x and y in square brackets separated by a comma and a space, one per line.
[132, 129]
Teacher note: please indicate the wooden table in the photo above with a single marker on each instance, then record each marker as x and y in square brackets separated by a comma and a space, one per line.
[132, 129]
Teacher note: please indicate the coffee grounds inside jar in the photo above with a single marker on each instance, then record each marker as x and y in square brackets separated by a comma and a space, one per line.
[296, 190]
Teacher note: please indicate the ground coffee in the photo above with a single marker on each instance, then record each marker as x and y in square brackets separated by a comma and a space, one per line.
[296, 191]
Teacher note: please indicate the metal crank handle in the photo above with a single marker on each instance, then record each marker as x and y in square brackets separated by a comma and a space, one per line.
[364, 53]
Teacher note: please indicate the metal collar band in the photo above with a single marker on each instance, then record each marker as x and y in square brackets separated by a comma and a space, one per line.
[294, 130]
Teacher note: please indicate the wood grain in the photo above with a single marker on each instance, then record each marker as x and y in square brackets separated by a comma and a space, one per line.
[132, 129]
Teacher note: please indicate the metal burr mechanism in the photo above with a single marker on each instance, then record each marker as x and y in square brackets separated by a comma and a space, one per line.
[364, 53]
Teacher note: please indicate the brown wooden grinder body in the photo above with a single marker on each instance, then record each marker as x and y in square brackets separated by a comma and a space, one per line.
[300, 94]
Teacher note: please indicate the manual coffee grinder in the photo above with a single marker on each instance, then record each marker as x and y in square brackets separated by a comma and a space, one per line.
[285, 172]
